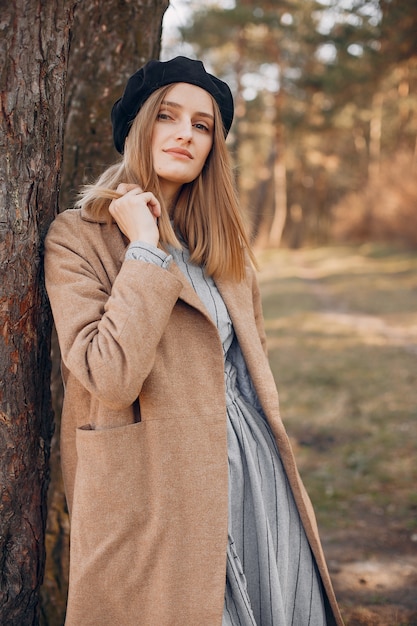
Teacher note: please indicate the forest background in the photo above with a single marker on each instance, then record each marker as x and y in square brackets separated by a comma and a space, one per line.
[325, 151]
[325, 135]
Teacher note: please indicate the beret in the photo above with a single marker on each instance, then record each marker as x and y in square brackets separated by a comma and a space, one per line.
[156, 74]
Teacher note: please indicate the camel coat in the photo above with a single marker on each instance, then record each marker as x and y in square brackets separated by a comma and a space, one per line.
[143, 435]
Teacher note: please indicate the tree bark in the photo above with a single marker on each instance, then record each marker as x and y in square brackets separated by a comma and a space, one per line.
[34, 44]
[111, 39]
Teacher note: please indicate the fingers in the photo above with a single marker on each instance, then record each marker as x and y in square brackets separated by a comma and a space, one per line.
[130, 195]
[152, 202]
[136, 213]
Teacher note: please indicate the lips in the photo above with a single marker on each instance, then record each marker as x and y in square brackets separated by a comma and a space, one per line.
[180, 152]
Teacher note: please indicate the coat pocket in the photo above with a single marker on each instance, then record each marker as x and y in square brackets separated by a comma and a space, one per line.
[150, 505]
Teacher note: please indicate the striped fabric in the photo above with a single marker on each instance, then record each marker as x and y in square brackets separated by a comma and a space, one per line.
[271, 578]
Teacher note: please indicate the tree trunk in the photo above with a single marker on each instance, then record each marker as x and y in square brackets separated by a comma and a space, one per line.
[280, 180]
[280, 195]
[375, 130]
[111, 39]
[34, 45]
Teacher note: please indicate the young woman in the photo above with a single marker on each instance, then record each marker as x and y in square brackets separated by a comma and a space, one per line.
[186, 505]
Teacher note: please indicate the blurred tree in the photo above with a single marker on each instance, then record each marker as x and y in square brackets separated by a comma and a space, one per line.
[384, 208]
[111, 39]
[311, 121]
[398, 30]
[383, 104]
[253, 46]
[34, 48]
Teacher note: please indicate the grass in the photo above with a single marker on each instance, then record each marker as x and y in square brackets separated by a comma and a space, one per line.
[342, 336]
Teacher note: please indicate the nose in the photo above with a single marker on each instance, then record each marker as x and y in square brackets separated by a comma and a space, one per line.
[185, 129]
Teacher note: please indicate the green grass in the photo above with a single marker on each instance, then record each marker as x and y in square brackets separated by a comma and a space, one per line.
[342, 335]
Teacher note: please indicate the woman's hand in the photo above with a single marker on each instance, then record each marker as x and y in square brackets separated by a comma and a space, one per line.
[136, 213]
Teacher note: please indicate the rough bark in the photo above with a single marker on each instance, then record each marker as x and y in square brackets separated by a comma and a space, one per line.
[34, 41]
[111, 39]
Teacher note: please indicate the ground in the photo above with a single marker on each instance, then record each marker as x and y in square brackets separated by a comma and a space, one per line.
[342, 336]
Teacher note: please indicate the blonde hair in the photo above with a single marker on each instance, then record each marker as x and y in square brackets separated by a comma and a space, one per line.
[206, 214]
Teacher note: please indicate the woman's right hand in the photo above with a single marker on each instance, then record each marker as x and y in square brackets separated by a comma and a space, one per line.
[136, 213]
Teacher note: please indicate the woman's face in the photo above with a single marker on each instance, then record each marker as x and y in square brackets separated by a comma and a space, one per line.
[182, 137]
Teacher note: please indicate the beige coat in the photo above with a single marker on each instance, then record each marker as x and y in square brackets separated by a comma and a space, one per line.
[143, 437]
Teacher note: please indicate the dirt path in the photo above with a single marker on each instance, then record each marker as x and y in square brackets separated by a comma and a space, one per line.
[337, 311]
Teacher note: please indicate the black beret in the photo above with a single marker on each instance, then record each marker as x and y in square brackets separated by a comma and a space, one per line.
[157, 74]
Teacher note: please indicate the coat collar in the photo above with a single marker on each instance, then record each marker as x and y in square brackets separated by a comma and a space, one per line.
[87, 216]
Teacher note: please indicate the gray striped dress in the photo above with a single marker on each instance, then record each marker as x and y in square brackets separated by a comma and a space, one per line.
[271, 577]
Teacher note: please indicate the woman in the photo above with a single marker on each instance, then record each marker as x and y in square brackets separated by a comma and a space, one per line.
[186, 505]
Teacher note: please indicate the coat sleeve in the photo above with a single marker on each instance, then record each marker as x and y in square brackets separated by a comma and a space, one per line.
[108, 334]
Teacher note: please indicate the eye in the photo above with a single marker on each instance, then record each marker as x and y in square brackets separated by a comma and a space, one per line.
[202, 127]
[164, 115]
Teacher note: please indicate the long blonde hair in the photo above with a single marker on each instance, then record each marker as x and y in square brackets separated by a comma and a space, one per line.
[206, 214]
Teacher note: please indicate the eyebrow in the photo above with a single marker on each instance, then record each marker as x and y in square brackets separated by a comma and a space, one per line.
[175, 105]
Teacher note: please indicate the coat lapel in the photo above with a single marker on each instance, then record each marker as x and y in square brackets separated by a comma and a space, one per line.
[188, 294]
[238, 300]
